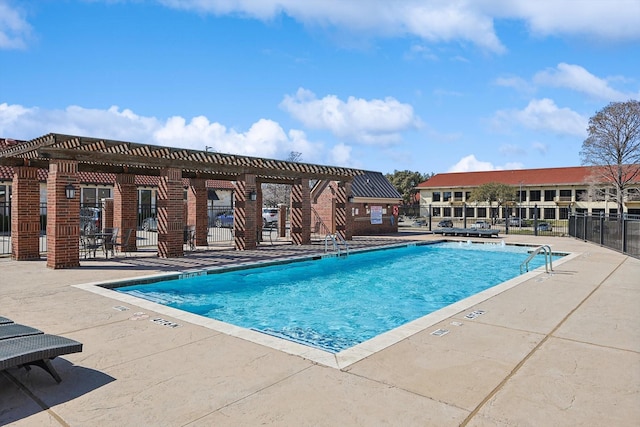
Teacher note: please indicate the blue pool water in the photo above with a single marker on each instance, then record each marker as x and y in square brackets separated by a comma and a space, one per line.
[336, 303]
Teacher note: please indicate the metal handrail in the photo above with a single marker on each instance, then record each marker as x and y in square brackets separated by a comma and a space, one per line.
[336, 240]
[548, 262]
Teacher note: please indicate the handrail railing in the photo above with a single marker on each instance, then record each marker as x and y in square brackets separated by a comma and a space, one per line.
[336, 241]
[319, 227]
[548, 262]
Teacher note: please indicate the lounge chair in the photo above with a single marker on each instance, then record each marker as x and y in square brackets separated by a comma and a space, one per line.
[37, 350]
[14, 330]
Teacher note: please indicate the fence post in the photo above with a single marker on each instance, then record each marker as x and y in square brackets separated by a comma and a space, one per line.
[601, 228]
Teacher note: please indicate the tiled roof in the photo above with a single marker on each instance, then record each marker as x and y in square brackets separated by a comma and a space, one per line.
[526, 177]
[373, 185]
[6, 174]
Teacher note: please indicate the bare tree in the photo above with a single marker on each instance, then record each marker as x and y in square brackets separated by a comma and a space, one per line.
[613, 146]
[493, 192]
[275, 194]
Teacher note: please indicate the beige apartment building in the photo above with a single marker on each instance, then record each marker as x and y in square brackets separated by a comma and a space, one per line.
[554, 193]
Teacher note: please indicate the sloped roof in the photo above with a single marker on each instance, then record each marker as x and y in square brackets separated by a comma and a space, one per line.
[373, 185]
[526, 177]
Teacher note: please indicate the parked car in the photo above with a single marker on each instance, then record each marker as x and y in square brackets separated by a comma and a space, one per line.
[225, 219]
[481, 224]
[90, 220]
[150, 224]
[445, 223]
[269, 217]
[515, 222]
[544, 226]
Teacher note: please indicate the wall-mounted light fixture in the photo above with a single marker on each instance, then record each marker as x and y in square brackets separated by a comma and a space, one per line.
[253, 196]
[350, 199]
[388, 206]
[366, 205]
[70, 191]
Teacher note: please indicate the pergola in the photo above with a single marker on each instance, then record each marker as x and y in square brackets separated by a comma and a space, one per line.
[66, 155]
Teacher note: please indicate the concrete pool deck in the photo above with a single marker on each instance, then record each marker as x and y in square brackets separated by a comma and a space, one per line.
[557, 349]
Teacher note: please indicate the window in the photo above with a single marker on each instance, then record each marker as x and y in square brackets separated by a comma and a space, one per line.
[446, 196]
[467, 195]
[446, 212]
[436, 196]
[89, 197]
[435, 212]
[565, 195]
[582, 195]
[522, 196]
[549, 195]
[549, 213]
[633, 194]
[532, 213]
[482, 212]
[534, 195]
[457, 211]
[457, 196]
[564, 213]
[469, 212]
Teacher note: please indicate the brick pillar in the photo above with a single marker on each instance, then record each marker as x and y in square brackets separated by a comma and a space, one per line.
[343, 216]
[258, 211]
[197, 209]
[107, 213]
[301, 212]
[170, 214]
[244, 213]
[125, 210]
[63, 216]
[25, 214]
[282, 220]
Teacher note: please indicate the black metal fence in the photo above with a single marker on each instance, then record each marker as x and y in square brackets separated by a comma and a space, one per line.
[612, 231]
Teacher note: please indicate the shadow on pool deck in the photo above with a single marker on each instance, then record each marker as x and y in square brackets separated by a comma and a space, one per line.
[558, 349]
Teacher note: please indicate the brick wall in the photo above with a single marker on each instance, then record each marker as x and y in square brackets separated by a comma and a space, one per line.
[197, 209]
[63, 216]
[125, 214]
[170, 214]
[245, 213]
[25, 214]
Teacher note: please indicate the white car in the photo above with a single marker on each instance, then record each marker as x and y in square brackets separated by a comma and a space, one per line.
[480, 224]
[269, 217]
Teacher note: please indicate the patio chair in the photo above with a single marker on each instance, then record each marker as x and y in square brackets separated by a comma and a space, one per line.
[14, 330]
[110, 238]
[36, 350]
[124, 244]
[190, 236]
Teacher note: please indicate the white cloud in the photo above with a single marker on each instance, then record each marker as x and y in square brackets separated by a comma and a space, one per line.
[540, 147]
[341, 155]
[435, 21]
[516, 83]
[14, 29]
[511, 150]
[577, 78]
[367, 121]
[544, 115]
[471, 164]
[265, 138]
[598, 20]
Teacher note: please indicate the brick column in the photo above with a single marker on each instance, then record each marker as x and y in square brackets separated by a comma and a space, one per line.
[106, 205]
[244, 213]
[301, 212]
[25, 214]
[63, 216]
[125, 210]
[343, 216]
[170, 214]
[197, 209]
[258, 211]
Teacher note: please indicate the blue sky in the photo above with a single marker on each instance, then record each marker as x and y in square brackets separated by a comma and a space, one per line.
[428, 86]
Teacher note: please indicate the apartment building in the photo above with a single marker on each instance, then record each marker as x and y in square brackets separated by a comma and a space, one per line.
[552, 193]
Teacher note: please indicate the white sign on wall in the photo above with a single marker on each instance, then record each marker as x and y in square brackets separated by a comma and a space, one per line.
[376, 214]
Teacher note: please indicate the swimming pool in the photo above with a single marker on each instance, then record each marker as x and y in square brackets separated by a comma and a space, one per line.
[336, 303]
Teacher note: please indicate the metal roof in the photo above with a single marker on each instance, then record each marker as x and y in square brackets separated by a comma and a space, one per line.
[373, 185]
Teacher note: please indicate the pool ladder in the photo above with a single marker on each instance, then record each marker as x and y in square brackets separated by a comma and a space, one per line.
[336, 242]
[548, 263]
